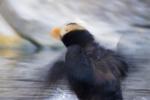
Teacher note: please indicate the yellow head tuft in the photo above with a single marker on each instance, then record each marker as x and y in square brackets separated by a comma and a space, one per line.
[58, 33]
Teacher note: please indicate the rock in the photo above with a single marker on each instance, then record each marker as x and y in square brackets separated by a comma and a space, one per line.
[24, 19]
[35, 18]
[9, 39]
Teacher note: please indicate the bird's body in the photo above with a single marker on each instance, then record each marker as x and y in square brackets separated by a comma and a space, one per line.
[93, 72]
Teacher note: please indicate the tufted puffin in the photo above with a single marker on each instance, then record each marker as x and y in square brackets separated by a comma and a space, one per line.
[93, 72]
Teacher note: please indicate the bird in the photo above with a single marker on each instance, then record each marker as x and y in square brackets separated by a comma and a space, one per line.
[93, 72]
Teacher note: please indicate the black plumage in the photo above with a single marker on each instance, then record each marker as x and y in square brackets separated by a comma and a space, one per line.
[93, 72]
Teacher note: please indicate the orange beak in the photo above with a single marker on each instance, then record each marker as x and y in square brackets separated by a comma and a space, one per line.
[56, 33]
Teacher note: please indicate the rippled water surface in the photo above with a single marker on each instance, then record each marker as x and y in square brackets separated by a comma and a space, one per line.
[23, 76]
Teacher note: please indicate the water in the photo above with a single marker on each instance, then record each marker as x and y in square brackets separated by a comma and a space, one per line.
[23, 76]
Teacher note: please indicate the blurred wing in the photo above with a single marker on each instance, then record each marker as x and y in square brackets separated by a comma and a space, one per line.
[108, 69]
[107, 61]
[115, 63]
[56, 72]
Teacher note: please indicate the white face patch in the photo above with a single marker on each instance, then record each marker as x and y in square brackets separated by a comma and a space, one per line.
[70, 27]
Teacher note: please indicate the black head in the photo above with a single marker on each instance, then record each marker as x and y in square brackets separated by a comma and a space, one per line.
[73, 34]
